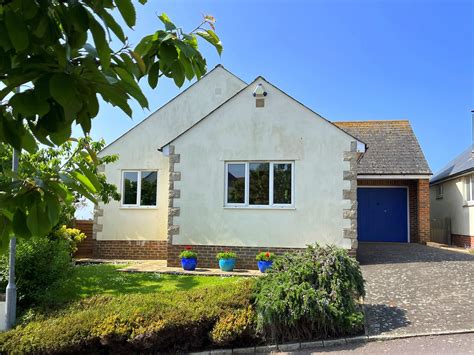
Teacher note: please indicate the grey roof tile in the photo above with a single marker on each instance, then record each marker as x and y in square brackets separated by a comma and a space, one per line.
[392, 148]
[464, 162]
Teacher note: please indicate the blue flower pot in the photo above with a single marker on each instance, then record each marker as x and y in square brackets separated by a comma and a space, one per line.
[189, 264]
[263, 265]
[227, 264]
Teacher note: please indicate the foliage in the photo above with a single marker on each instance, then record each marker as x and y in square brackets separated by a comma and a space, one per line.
[265, 256]
[234, 328]
[36, 208]
[72, 237]
[310, 294]
[167, 322]
[59, 54]
[40, 264]
[188, 253]
[227, 254]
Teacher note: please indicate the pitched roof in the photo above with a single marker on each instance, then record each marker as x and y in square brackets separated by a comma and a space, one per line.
[392, 148]
[463, 163]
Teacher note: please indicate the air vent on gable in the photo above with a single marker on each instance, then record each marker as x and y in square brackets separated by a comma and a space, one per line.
[259, 93]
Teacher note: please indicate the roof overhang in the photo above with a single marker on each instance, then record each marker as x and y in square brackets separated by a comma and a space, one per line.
[452, 177]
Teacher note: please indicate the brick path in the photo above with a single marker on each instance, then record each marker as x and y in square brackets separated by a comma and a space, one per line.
[413, 288]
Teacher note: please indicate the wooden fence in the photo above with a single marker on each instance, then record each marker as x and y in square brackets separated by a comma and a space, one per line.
[85, 249]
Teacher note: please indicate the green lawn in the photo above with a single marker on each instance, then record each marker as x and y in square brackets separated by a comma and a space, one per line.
[104, 279]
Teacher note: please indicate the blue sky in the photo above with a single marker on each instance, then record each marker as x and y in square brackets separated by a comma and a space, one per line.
[347, 60]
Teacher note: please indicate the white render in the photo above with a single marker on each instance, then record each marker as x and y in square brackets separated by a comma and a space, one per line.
[282, 130]
[453, 205]
[138, 150]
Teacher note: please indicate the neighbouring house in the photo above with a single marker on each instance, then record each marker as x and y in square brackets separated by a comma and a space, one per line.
[452, 201]
[246, 167]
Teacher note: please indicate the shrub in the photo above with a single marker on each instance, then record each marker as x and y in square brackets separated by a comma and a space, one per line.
[234, 327]
[188, 253]
[311, 294]
[265, 256]
[142, 323]
[40, 263]
[226, 255]
[72, 236]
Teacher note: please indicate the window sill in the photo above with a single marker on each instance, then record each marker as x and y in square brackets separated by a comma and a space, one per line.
[439, 197]
[259, 208]
[468, 204]
[138, 207]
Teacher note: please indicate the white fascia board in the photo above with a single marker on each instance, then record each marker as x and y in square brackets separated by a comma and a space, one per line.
[393, 177]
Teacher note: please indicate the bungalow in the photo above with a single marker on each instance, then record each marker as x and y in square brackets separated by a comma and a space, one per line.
[452, 198]
[226, 164]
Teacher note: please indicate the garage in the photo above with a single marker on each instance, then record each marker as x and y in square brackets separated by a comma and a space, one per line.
[382, 214]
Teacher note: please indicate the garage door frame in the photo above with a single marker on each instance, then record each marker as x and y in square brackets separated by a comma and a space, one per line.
[408, 201]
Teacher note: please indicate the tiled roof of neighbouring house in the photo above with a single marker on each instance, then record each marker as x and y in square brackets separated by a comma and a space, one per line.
[464, 162]
[392, 148]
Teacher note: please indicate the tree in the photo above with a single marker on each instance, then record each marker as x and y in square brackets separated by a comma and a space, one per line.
[60, 51]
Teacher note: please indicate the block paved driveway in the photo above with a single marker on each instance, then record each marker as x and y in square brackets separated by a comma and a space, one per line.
[412, 288]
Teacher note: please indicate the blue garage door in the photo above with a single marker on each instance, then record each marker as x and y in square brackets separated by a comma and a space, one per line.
[382, 215]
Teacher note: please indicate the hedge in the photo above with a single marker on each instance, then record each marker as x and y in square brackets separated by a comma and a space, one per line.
[218, 316]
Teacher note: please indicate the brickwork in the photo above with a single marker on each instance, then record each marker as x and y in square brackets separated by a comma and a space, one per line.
[463, 241]
[424, 229]
[207, 255]
[130, 249]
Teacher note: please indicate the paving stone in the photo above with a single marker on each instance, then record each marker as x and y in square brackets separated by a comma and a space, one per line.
[358, 339]
[265, 349]
[415, 289]
[221, 352]
[312, 344]
[250, 350]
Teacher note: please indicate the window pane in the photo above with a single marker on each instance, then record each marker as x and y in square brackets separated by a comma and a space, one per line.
[130, 180]
[236, 183]
[148, 188]
[259, 183]
[282, 184]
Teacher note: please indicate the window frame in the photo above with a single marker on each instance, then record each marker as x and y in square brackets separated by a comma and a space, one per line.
[468, 181]
[439, 191]
[139, 189]
[271, 204]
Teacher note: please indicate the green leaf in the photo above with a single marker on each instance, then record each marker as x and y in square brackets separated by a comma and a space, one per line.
[37, 220]
[91, 176]
[61, 135]
[127, 10]
[211, 37]
[168, 54]
[17, 31]
[84, 180]
[139, 60]
[100, 41]
[178, 74]
[53, 208]
[113, 25]
[153, 74]
[169, 26]
[29, 142]
[19, 224]
[62, 89]
[4, 231]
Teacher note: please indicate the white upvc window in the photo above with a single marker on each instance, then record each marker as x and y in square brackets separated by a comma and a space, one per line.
[259, 184]
[439, 191]
[139, 188]
[469, 181]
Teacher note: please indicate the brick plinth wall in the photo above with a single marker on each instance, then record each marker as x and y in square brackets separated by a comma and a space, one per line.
[130, 249]
[207, 255]
[463, 241]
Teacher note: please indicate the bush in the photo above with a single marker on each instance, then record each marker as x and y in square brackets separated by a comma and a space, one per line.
[136, 323]
[312, 294]
[72, 236]
[226, 255]
[40, 263]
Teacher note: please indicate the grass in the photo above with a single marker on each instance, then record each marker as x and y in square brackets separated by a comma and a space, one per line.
[104, 279]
